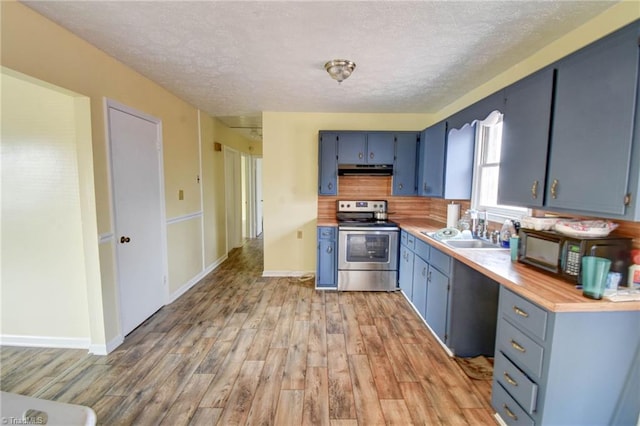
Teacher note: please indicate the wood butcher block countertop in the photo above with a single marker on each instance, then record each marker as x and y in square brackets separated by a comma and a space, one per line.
[551, 293]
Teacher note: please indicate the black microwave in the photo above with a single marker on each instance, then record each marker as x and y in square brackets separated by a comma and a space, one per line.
[562, 255]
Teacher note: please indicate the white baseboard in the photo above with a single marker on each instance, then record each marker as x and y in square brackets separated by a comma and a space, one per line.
[45, 341]
[287, 273]
[106, 348]
[195, 280]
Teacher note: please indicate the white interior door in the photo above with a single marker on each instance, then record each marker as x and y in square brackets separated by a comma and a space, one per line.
[233, 195]
[258, 194]
[138, 212]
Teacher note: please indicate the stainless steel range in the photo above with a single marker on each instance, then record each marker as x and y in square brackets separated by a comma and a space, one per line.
[367, 248]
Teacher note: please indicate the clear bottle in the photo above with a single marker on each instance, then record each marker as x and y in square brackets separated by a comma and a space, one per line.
[464, 224]
[506, 232]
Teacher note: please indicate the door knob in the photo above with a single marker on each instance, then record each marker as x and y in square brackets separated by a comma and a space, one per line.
[124, 240]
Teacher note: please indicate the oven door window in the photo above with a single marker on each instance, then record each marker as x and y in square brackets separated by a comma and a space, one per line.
[368, 248]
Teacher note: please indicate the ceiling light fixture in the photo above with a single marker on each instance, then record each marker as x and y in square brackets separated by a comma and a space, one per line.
[340, 69]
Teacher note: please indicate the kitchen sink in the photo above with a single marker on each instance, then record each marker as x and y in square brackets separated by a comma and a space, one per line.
[473, 244]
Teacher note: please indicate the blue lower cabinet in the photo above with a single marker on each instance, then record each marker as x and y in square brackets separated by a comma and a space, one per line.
[578, 369]
[419, 296]
[405, 279]
[327, 262]
[437, 303]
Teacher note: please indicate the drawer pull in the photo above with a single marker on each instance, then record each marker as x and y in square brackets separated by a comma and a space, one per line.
[517, 346]
[509, 379]
[520, 312]
[509, 412]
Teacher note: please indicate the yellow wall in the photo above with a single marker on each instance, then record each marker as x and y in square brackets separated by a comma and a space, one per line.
[47, 275]
[290, 179]
[35, 46]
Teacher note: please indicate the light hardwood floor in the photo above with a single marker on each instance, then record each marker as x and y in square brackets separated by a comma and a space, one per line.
[242, 349]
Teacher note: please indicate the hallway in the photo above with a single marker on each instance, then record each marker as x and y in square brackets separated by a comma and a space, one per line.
[238, 348]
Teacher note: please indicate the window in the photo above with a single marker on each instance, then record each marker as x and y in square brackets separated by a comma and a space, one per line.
[487, 169]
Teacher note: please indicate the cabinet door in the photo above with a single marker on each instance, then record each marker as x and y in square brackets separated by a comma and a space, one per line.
[525, 141]
[404, 169]
[437, 302]
[432, 155]
[380, 148]
[459, 163]
[420, 273]
[593, 126]
[352, 148]
[405, 278]
[327, 266]
[328, 164]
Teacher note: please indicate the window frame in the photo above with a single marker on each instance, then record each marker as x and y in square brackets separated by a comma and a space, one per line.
[494, 213]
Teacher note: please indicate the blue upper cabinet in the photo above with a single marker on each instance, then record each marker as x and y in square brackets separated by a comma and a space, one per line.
[431, 166]
[405, 164]
[380, 148]
[592, 166]
[458, 172]
[328, 164]
[365, 148]
[352, 148]
[525, 140]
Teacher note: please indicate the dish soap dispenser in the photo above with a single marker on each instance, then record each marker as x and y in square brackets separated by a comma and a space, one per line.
[506, 232]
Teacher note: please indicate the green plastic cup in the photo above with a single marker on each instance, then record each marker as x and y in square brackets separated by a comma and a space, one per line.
[594, 276]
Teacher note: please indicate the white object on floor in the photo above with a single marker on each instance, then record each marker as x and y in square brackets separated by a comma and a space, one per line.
[20, 409]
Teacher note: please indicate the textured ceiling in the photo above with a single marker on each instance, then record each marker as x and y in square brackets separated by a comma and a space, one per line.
[235, 59]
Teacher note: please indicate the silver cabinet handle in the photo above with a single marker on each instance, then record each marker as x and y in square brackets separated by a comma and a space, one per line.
[554, 188]
[360, 155]
[520, 312]
[371, 155]
[424, 272]
[534, 189]
[517, 346]
[329, 249]
[509, 379]
[509, 412]
[330, 186]
[424, 187]
[400, 186]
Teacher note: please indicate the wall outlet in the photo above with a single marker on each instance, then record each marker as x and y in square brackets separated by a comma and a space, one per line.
[180, 194]
[299, 234]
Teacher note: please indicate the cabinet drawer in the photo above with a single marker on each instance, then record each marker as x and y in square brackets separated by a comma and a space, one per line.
[523, 313]
[523, 351]
[519, 386]
[509, 410]
[441, 261]
[411, 241]
[327, 232]
[422, 249]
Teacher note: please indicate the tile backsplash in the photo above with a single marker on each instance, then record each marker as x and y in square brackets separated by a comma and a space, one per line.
[379, 188]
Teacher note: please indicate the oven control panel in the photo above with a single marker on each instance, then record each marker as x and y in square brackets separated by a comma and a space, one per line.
[361, 206]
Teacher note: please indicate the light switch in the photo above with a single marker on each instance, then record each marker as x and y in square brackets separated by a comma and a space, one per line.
[299, 234]
[180, 194]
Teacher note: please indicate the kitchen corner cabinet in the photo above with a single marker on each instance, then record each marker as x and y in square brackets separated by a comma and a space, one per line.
[432, 155]
[458, 303]
[405, 163]
[365, 148]
[525, 140]
[328, 163]
[595, 121]
[565, 368]
[327, 261]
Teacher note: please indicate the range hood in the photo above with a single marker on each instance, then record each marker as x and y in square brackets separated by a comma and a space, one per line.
[365, 169]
